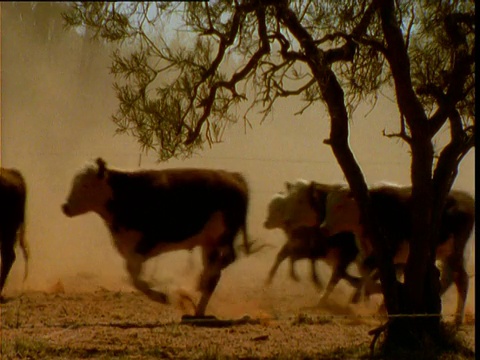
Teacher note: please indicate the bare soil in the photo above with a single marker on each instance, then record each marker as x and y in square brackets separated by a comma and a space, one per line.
[79, 318]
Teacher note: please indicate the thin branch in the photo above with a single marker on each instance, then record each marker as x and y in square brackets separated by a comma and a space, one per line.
[397, 56]
[298, 91]
[332, 37]
[410, 26]
[236, 77]
[347, 51]
[459, 73]
[304, 108]
[402, 134]
[302, 15]
[285, 46]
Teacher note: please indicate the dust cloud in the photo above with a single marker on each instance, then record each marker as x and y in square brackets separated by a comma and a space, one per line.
[56, 104]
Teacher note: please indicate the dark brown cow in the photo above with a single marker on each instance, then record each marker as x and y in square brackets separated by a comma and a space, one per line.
[13, 194]
[150, 212]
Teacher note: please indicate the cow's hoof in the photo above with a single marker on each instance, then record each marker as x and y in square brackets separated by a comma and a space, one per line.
[199, 320]
[187, 317]
[159, 297]
[212, 321]
[185, 301]
[318, 285]
[295, 278]
[356, 298]
[458, 321]
[323, 301]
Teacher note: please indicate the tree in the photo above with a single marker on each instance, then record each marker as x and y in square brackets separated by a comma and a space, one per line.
[177, 85]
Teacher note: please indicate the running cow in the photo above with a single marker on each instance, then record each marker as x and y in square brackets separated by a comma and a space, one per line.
[150, 212]
[13, 194]
[305, 240]
[392, 206]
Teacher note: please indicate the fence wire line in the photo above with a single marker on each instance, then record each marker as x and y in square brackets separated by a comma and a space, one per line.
[220, 158]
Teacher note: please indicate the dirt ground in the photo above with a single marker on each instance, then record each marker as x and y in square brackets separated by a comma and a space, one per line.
[87, 316]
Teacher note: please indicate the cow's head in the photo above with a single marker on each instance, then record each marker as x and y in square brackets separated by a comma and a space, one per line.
[298, 205]
[276, 213]
[90, 190]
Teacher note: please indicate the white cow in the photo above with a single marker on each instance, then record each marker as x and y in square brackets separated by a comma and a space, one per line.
[309, 242]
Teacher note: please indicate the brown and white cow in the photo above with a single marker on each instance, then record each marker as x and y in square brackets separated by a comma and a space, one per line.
[13, 195]
[309, 242]
[392, 205]
[150, 212]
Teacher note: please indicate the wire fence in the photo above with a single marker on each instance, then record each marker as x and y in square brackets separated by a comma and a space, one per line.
[123, 155]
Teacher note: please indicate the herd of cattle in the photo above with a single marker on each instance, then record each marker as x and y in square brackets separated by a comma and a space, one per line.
[149, 212]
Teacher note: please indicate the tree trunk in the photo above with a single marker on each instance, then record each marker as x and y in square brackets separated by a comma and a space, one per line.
[333, 97]
[420, 294]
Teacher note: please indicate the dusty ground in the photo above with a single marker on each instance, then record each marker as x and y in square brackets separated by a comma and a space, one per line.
[79, 317]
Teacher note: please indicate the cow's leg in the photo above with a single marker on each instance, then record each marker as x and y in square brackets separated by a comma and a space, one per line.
[368, 285]
[461, 282]
[400, 270]
[454, 271]
[134, 268]
[293, 273]
[214, 260]
[315, 278]
[339, 272]
[282, 255]
[334, 279]
[446, 278]
[24, 247]
[7, 256]
[370, 282]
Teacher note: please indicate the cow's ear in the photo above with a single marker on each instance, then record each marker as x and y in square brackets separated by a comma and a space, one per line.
[315, 192]
[318, 194]
[288, 185]
[102, 167]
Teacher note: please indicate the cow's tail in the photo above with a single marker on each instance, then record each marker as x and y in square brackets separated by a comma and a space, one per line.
[24, 246]
[248, 244]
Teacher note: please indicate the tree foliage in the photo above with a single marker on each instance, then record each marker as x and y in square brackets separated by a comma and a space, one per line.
[184, 66]
[177, 83]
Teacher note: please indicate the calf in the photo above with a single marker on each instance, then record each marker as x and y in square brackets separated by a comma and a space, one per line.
[150, 212]
[13, 194]
[308, 242]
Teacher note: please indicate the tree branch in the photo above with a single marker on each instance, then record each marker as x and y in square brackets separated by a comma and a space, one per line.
[397, 56]
[236, 77]
[402, 134]
[458, 76]
[298, 91]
